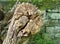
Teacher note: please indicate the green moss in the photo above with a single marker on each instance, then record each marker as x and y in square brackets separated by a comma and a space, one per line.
[41, 38]
[38, 39]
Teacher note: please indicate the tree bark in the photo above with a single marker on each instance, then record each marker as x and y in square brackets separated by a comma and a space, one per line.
[26, 20]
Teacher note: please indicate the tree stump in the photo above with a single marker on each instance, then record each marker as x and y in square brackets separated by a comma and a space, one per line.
[26, 20]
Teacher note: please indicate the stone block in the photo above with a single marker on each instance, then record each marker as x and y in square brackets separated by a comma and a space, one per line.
[52, 23]
[50, 30]
[57, 35]
[53, 10]
[57, 29]
[54, 15]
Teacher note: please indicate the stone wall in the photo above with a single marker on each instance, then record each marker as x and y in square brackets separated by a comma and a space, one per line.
[52, 24]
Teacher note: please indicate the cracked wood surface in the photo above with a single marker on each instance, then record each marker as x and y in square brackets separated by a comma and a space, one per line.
[26, 20]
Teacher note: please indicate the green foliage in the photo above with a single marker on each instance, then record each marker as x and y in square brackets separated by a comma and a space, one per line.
[7, 5]
[41, 38]
[38, 39]
[41, 4]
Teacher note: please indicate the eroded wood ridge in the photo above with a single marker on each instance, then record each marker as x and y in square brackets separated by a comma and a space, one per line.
[26, 20]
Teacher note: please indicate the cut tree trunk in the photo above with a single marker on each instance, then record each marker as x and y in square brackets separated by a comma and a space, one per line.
[26, 20]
